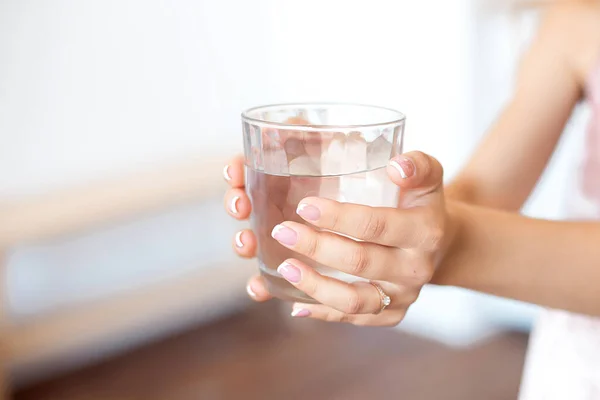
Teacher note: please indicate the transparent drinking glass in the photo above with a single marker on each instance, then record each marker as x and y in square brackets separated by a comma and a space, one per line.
[334, 151]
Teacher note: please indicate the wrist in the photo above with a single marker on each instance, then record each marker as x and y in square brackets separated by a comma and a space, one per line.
[455, 233]
[459, 191]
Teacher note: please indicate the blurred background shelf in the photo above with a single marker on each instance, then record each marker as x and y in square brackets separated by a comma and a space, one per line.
[149, 311]
[94, 204]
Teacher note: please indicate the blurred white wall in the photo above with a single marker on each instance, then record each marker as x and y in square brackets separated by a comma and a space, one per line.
[89, 89]
[92, 88]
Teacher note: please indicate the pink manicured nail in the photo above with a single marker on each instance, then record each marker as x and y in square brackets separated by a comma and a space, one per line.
[226, 173]
[289, 272]
[238, 240]
[404, 166]
[284, 235]
[250, 291]
[300, 313]
[308, 212]
[233, 204]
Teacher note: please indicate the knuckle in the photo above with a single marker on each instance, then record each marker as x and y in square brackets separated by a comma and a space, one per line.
[354, 303]
[311, 246]
[336, 316]
[310, 287]
[372, 226]
[436, 238]
[334, 221]
[433, 231]
[359, 260]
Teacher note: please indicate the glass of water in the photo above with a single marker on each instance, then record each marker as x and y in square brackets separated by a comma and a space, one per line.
[334, 151]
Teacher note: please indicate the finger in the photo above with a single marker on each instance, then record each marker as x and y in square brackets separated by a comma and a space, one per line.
[385, 226]
[325, 313]
[350, 298]
[418, 175]
[233, 172]
[237, 204]
[367, 260]
[381, 225]
[244, 243]
[257, 289]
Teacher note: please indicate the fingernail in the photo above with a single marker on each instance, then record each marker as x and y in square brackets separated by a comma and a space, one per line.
[238, 240]
[284, 235]
[233, 205]
[300, 313]
[250, 291]
[289, 272]
[405, 167]
[308, 212]
[226, 173]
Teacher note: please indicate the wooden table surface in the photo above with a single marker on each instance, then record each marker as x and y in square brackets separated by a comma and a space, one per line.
[263, 354]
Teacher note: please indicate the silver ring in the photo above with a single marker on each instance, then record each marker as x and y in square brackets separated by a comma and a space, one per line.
[384, 299]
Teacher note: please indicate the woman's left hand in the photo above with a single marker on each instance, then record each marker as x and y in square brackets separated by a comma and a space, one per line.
[398, 248]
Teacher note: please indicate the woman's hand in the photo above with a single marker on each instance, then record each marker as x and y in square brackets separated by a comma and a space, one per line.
[398, 248]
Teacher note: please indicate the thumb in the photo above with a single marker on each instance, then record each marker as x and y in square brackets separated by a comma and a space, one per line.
[417, 174]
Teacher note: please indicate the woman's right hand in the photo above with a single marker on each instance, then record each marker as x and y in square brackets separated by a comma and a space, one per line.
[237, 205]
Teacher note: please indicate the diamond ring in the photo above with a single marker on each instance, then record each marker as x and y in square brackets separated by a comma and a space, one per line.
[384, 299]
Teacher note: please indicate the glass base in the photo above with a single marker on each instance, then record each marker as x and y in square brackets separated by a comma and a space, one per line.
[282, 289]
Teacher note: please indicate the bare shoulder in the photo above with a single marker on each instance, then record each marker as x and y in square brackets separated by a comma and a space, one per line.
[574, 25]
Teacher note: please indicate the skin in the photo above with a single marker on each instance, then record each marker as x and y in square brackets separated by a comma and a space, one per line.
[468, 234]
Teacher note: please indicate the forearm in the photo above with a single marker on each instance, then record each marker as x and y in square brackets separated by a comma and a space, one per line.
[478, 191]
[516, 149]
[554, 264]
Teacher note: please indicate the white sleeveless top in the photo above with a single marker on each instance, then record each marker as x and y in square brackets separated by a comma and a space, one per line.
[563, 360]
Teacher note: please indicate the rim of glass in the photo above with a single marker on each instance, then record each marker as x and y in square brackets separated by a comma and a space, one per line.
[400, 117]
